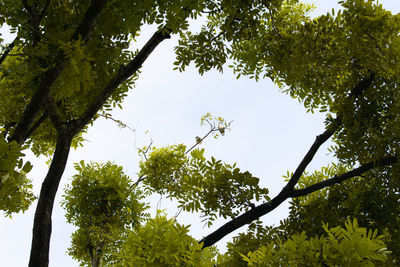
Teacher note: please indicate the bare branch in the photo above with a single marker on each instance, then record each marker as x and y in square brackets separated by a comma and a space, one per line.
[122, 75]
[213, 128]
[144, 152]
[288, 190]
[217, 36]
[119, 122]
[321, 139]
[265, 208]
[199, 142]
[337, 179]
[8, 50]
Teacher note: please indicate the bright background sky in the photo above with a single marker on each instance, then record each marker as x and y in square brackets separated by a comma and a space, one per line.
[270, 134]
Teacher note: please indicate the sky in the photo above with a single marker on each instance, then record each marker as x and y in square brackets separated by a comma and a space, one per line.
[270, 135]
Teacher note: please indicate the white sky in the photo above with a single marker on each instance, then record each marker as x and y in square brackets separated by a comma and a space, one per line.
[270, 134]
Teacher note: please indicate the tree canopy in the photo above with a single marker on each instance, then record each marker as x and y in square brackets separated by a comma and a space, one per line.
[72, 62]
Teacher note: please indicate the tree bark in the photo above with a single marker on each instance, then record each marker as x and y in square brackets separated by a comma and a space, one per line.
[42, 223]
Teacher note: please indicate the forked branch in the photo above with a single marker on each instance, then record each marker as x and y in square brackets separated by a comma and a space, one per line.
[337, 179]
[50, 76]
[288, 190]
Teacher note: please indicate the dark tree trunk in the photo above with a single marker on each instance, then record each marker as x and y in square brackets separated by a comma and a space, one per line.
[42, 223]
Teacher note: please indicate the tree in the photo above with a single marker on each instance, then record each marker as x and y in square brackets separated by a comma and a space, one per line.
[97, 203]
[102, 202]
[70, 62]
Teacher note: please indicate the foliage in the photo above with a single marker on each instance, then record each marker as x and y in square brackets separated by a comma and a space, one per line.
[372, 199]
[256, 236]
[210, 187]
[15, 188]
[349, 246]
[321, 60]
[72, 60]
[163, 242]
[103, 203]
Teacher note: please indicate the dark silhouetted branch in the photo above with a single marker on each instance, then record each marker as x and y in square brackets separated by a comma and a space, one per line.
[122, 75]
[288, 190]
[8, 50]
[337, 179]
[42, 222]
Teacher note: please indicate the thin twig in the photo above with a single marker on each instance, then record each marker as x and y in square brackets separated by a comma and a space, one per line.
[26, 25]
[119, 122]
[217, 36]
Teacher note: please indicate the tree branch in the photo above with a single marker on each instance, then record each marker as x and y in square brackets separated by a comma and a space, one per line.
[8, 50]
[44, 9]
[89, 20]
[337, 179]
[28, 8]
[122, 75]
[265, 208]
[42, 222]
[38, 98]
[54, 113]
[36, 125]
[288, 190]
[33, 22]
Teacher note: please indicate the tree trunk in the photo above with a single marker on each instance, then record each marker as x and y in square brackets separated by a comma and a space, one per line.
[42, 223]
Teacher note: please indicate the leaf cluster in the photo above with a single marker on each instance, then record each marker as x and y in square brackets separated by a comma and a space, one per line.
[103, 203]
[163, 242]
[349, 246]
[210, 187]
[372, 199]
[15, 189]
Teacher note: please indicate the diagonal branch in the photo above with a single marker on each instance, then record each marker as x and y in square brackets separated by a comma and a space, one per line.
[288, 190]
[321, 139]
[8, 50]
[265, 208]
[33, 21]
[43, 10]
[36, 125]
[54, 112]
[49, 77]
[122, 75]
[337, 179]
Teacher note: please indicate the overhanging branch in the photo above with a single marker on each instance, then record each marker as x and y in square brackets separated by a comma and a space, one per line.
[337, 179]
[122, 75]
[287, 191]
[265, 208]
